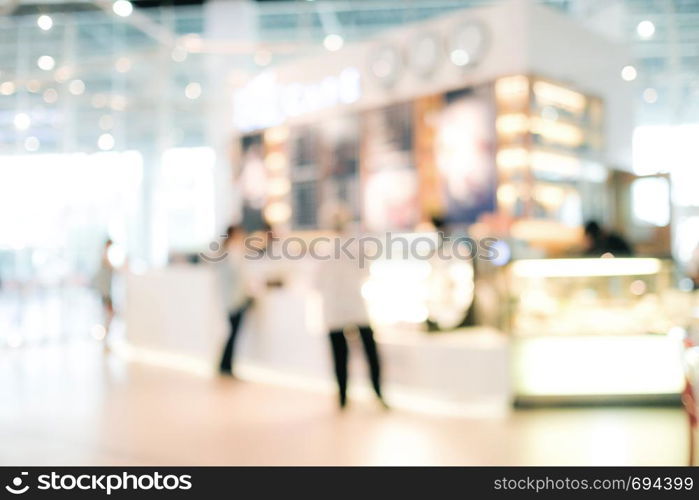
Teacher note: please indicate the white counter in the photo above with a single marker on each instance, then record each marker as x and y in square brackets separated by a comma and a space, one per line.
[175, 313]
[174, 316]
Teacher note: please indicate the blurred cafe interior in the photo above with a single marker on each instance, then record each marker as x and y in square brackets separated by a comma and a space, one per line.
[562, 133]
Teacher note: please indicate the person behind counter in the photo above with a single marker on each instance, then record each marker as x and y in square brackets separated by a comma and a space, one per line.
[339, 282]
[232, 279]
[599, 242]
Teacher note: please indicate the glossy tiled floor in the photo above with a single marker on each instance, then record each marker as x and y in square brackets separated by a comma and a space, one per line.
[65, 402]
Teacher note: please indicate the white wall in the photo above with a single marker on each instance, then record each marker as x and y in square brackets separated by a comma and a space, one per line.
[560, 48]
[234, 21]
[504, 55]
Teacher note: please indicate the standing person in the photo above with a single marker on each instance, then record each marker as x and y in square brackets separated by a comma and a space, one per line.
[103, 285]
[344, 310]
[693, 267]
[236, 299]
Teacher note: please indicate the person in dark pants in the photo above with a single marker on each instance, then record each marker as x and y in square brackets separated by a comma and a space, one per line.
[341, 355]
[234, 319]
[344, 311]
[232, 280]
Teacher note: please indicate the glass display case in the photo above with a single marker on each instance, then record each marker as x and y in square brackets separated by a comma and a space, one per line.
[549, 148]
[596, 327]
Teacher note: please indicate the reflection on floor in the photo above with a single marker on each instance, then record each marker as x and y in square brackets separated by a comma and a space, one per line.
[67, 403]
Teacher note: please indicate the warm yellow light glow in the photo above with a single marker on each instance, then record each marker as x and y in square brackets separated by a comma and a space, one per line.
[558, 132]
[278, 187]
[550, 94]
[507, 195]
[512, 124]
[555, 163]
[511, 88]
[561, 268]
[276, 135]
[278, 212]
[276, 161]
[546, 231]
[550, 196]
[511, 158]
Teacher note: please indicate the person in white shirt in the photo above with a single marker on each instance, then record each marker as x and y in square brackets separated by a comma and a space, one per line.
[232, 280]
[339, 282]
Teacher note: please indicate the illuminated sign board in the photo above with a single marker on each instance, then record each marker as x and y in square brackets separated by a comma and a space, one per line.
[264, 102]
